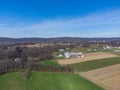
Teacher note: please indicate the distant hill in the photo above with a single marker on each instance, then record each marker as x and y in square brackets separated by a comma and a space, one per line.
[4, 40]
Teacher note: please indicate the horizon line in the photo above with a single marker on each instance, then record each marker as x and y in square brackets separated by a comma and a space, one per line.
[57, 37]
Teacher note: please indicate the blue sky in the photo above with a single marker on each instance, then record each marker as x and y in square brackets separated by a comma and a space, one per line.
[58, 18]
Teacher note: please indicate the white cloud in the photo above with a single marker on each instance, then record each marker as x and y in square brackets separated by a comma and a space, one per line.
[97, 24]
[2, 24]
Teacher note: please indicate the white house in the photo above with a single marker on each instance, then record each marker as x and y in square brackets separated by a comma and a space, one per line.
[106, 47]
[61, 50]
[67, 55]
[18, 59]
[60, 55]
[71, 54]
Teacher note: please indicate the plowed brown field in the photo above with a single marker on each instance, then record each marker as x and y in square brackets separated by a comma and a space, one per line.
[87, 57]
[108, 77]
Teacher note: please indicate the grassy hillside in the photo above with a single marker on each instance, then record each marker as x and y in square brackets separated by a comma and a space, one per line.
[12, 81]
[46, 81]
[95, 64]
[49, 62]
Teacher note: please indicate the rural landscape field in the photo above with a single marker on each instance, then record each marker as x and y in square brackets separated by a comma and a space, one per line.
[108, 77]
[88, 57]
[90, 73]
[59, 44]
[38, 81]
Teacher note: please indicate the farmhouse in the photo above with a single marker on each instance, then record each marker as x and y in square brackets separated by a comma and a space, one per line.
[60, 55]
[61, 50]
[18, 59]
[71, 54]
[106, 47]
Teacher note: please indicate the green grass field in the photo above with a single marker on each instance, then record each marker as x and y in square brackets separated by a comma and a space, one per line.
[46, 81]
[95, 64]
[50, 62]
[12, 81]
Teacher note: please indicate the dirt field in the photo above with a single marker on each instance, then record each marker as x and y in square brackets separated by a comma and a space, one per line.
[108, 77]
[87, 57]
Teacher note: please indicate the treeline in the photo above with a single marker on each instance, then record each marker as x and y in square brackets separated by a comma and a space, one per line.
[22, 58]
[24, 52]
[36, 53]
[11, 66]
[48, 68]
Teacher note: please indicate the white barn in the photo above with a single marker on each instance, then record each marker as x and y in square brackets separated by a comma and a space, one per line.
[71, 54]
